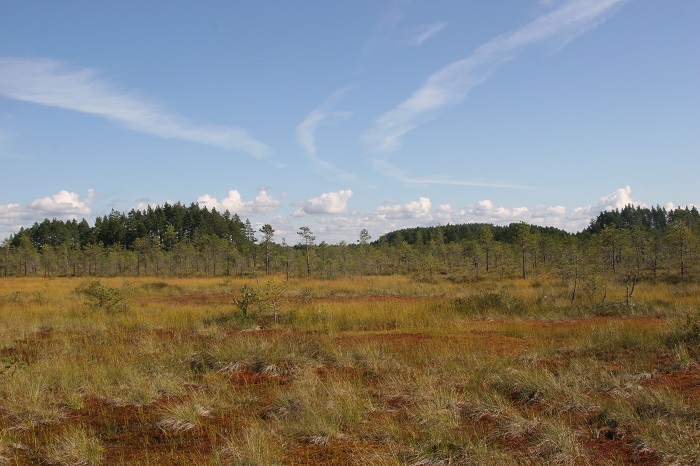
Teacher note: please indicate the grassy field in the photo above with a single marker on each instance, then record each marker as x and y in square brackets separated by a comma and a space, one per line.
[368, 371]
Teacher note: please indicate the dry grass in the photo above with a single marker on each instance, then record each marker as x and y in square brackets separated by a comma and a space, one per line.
[374, 370]
[75, 447]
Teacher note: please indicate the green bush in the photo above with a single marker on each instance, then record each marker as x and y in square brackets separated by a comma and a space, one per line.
[248, 297]
[101, 297]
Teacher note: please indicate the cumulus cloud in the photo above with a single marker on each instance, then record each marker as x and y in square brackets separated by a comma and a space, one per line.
[419, 210]
[326, 203]
[263, 203]
[576, 219]
[451, 84]
[10, 214]
[53, 83]
[10, 219]
[64, 205]
[395, 215]
[615, 200]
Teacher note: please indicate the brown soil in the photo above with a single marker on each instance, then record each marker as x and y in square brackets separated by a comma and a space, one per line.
[333, 452]
[613, 445]
[128, 433]
[685, 381]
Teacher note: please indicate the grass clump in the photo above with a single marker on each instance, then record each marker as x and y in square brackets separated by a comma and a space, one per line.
[184, 417]
[685, 332]
[257, 443]
[317, 408]
[75, 447]
[487, 302]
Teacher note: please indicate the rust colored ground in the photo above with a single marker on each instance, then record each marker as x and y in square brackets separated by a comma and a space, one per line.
[684, 381]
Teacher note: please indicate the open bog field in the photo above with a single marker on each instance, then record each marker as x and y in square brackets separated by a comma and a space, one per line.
[368, 371]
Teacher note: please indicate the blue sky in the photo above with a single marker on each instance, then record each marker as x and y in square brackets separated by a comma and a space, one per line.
[349, 115]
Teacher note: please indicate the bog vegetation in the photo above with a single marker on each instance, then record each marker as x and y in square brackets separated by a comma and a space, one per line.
[454, 345]
[174, 240]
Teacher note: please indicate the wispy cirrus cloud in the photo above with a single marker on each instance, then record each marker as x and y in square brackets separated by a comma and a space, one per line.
[422, 33]
[390, 32]
[323, 115]
[54, 83]
[451, 84]
[392, 171]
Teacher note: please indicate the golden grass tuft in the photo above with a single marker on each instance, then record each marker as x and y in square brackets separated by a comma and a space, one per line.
[75, 447]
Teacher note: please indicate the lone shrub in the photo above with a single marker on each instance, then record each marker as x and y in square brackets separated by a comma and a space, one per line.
[101, 297]
[247, 298]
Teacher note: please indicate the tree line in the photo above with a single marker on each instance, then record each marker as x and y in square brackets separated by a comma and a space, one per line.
[176, 240]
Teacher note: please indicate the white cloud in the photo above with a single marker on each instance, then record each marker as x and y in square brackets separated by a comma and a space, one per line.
[388, 31]
[423, 33]
[577, 219]
[11, 215]
[326, 203]
[323, 114]
[10, 220]
[486, 210]
[450, 85]
[419, 210]
[306, 131]
[64, 205]
[393, 215]
[263, 203]
[615, 200]
[545, 213]
[53, 83]
[342, 224]
[338, 222]
[142, 205]
[392, 171]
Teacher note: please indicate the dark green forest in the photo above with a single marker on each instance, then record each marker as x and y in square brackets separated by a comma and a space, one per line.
[179, 240]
